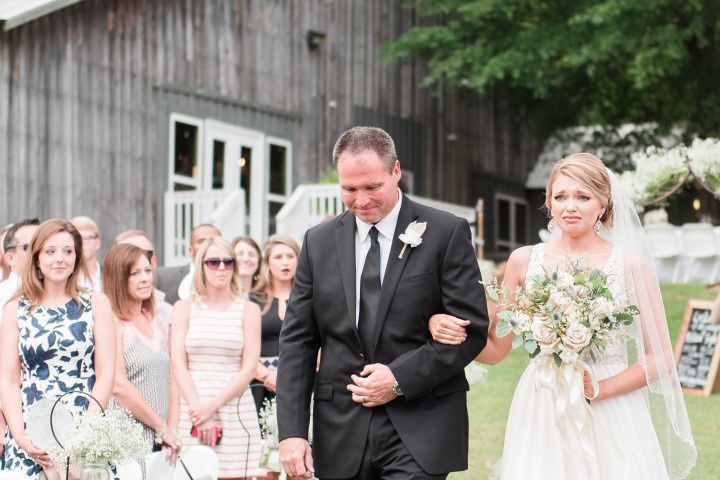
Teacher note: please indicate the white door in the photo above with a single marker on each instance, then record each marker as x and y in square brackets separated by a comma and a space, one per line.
[234, 159]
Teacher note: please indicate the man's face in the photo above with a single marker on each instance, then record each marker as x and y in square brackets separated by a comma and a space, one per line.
[16, 256]
[199, 235]
[368, 189]
[144, 244]
[91, 244]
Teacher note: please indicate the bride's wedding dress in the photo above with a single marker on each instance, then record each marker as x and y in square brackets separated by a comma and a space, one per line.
[620, 442]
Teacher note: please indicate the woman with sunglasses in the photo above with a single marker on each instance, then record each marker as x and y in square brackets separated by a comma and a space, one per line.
[215, 351]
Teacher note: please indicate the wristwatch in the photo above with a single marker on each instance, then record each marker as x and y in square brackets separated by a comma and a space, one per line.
[397, 390]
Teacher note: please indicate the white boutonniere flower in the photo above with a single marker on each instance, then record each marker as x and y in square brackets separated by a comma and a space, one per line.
[412, 236]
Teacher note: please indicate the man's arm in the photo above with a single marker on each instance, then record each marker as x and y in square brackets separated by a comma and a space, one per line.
[463, 296]
[299, 344]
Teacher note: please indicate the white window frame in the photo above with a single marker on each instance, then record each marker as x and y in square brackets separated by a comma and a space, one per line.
[513, 242]
[275, 197]
[173, 178]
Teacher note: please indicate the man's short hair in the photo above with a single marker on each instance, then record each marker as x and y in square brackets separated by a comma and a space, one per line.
[85, 223]
[131, 233]
[358, 139]
[9, 240]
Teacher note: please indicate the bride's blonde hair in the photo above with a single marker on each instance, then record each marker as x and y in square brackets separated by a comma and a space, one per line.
[589, 170]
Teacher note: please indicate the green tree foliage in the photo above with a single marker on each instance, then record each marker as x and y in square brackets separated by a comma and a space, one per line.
[565, 63]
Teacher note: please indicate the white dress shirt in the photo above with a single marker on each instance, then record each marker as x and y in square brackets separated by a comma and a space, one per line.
[386, 229]
[186, 287]
[8, 287]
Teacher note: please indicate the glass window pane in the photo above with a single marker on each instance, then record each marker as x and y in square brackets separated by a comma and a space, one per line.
[521, 224]
[181, 187]
[218, 167]
[278, 159]
[274, 209]
[186, 142]
[503, 220]
[244, 162]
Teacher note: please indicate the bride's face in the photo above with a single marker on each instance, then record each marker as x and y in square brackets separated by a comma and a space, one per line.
[573, 206]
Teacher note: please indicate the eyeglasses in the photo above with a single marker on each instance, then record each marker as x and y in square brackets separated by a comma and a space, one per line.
[24, 246]
[214, 263]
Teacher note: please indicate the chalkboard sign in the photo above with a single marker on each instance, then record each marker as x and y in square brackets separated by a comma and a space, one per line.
[698, 350]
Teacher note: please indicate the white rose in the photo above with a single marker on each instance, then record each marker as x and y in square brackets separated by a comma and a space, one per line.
[544, 335]
[572, 314]
[577, 336]
[564, 281]
[580, 291]
[603, 307]
[568, 356]
[560, 300]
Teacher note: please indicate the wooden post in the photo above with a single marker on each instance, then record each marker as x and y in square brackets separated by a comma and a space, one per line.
[480, 229]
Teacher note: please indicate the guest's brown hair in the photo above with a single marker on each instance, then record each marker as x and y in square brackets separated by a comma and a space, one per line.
[116, 271]
[33, 283]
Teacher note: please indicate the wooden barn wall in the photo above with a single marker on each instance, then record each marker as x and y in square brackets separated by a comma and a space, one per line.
[85, 93]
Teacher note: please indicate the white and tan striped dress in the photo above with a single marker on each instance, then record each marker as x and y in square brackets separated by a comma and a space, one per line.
[214, 344]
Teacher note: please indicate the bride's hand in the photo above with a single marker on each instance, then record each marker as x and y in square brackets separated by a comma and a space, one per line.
[447, 329]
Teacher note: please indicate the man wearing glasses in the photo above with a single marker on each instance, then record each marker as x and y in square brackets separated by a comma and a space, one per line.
[16, 245]
[90, 234]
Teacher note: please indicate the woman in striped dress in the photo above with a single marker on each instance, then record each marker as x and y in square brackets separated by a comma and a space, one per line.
[143, 383]
[215, 350]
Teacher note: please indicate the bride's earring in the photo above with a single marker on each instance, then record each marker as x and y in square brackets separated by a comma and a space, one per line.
[598, 226]
[551, 226]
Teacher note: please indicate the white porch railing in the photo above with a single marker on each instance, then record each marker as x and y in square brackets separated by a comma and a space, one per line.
[309, 204]
[183, 210]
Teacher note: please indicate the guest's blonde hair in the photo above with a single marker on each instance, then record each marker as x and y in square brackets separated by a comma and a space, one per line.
[85, 223]
[263, 290]
[199, 287]
[590, 171]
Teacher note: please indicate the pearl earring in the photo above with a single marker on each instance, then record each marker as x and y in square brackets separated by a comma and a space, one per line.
[551, 226]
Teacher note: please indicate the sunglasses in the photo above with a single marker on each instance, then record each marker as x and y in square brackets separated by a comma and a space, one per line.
[24, 246]
[214, 263]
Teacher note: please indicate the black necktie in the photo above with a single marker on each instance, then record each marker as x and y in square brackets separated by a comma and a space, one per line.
[369, 292]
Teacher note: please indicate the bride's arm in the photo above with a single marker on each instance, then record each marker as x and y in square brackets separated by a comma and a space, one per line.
[653, 339]
[451, 330]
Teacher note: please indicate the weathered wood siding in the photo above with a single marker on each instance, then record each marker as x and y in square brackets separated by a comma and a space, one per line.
[83, 112]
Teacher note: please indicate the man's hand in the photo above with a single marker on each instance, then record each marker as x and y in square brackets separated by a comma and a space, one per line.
[296, 458]
[374, 386]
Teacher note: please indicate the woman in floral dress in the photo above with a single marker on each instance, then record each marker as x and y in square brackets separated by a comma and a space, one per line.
[54, 338]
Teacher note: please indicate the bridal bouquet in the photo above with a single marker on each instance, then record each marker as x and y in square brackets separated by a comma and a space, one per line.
[103, 439]
[270, 455]
[561, 313]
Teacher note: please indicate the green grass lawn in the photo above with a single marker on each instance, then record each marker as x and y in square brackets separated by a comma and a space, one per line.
[489, 403]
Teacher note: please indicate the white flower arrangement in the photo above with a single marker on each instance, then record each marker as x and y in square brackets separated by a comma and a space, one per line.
[109, 438]
[704, 159]
[657, 171]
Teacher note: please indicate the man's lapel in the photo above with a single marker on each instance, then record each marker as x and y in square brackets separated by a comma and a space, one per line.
[395, 266]
[345, 242]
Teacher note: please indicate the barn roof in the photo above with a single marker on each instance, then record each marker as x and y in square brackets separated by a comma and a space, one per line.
[14, 13]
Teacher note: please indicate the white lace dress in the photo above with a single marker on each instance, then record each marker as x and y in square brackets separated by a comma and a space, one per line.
[625, 445]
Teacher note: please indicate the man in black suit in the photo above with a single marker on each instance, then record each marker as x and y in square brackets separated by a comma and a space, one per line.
[389, 402]
[176, 282]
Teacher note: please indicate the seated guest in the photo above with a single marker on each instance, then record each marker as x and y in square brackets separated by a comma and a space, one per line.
[16, 243]
[91, 244]
[54, 338]
[176, 282]
[143, 383]
[163, 310]
[248, 257]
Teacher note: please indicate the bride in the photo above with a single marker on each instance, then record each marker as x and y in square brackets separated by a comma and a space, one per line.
[639, 427]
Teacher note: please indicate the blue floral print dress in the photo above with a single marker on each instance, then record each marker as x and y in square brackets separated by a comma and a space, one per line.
[56, 349]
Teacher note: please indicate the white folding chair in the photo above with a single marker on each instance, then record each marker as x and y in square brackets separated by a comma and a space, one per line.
[200, 461]
[130, 471]
[665, 250]
[12, 475]
[700, 252]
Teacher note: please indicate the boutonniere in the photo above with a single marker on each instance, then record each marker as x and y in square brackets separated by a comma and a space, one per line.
[412, 236]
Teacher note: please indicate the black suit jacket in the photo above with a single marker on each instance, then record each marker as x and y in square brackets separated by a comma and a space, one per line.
[167, 280]
[440, 275]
